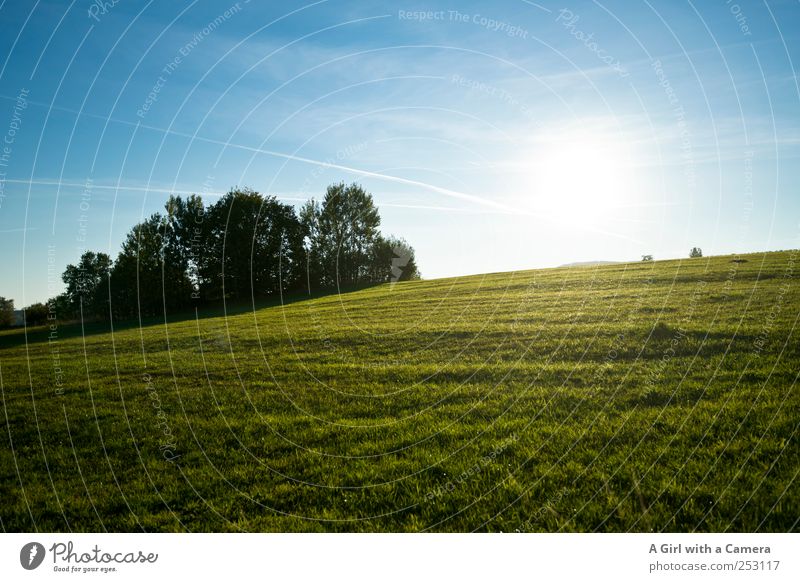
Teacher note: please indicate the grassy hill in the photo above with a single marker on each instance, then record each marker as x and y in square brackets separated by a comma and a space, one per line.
[641, 397]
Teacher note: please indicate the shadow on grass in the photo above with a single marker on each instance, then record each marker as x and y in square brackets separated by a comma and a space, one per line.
[31, 335]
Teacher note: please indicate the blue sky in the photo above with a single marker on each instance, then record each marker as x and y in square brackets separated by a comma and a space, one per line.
[493, 137]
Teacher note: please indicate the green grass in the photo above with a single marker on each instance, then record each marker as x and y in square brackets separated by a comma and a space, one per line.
[632, 397]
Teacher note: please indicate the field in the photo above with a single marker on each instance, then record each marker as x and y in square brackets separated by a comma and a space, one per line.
[631, 397]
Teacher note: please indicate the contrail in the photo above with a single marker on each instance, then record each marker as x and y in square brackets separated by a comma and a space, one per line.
[285, 156]
[504, 208]
[359, 172]
[497, 207]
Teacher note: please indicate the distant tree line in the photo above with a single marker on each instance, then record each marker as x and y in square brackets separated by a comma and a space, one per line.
[694, 253]
[244, 246]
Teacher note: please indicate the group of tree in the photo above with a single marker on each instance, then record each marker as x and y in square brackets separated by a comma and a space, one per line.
[344, 245]
[695, 253]
[242, 247]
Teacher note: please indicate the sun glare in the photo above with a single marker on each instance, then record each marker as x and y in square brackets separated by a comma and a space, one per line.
[582, 179]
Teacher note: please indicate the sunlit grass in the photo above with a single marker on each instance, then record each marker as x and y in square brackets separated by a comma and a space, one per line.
[641, 396]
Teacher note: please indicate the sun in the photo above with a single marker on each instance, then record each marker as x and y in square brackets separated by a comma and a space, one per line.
[582, 179]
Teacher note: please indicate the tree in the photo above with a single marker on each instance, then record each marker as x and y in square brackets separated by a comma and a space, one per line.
[183, 243]
[312, 243]
[245, 245]
[277, 253]
[695, 253]
[343, 245]
[87, 284]
[347, 228]
[6, 312]
[647, 258]
[61, 307]
[392, 261]
[36, 314]
[253, 247]
[149, 275]
[404, 263]
[136, 277]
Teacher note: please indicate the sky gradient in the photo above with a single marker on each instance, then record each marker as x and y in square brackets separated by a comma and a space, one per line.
[494, 137]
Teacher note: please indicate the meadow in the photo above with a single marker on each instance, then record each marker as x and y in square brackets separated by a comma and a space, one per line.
[650, 396]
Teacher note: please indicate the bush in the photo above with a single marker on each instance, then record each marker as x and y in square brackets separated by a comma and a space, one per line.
[6, 312]
[36, 314]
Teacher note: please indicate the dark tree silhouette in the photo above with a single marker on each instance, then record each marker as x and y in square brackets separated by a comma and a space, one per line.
[393, 261]
[36, 314]
[6, 312]
[253, 247]
[87, 285]
[136, 280]
[243, 246]
[346, 228]
[312, 244]
[184, 243]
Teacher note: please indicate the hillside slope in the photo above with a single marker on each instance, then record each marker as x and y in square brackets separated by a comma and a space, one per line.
[640, 396]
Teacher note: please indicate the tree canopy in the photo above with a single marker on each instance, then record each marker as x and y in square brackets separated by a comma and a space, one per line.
[242, 247]
[6, 312]
[87, 284]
